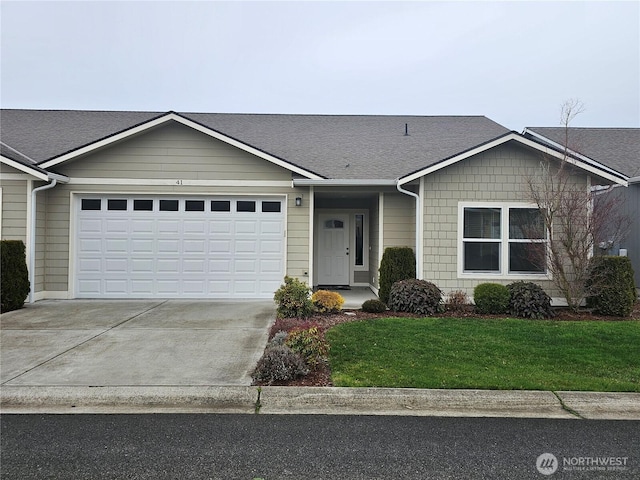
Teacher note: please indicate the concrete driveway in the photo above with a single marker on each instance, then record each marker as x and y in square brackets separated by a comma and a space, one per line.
[133, 342]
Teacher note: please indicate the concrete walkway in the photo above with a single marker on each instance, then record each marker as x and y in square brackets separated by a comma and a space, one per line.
[196, 356]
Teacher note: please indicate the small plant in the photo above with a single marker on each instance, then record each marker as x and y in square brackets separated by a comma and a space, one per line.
[457, 301]
[289, 324]
[309, 344]
[611, 286]
[415, 296]
[398, 263]
[327, 302]
[374, 306]
[279, 364]
[529, 300]
[293, 299]
[278, 339]
[491, 298]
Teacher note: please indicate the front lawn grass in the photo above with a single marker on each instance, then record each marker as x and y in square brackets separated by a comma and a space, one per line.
[506, 354]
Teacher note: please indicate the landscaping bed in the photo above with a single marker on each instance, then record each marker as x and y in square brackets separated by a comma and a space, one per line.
[321, 376]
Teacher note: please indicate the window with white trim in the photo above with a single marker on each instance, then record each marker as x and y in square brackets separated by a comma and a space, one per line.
[502, 240]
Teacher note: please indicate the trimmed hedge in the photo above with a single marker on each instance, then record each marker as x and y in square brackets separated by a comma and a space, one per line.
[491, 298]
[529, 300]
[15, 286]
[612, 290]
[415, 296]
[398, 263]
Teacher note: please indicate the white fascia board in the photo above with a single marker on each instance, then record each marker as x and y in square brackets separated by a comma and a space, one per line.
[634, 180]
[601, 172]
[25, 168]
[184, 121]
[331, 182]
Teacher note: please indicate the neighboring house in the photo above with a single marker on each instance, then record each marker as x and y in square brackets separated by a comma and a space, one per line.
[194, 205]
[618, 148]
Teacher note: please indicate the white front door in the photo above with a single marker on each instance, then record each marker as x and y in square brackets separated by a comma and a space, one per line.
[333, 249]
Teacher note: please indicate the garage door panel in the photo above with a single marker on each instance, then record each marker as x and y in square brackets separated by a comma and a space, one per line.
[146, 253]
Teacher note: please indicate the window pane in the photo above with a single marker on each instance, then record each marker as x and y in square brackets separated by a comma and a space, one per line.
[91, 204]
[168, 205]
[194, 205]
[118, 204]
[271, 207]
[526, 223]
[246, 206]
[482, 223]
[359, 240]
[527, 257]
[143, 205]
[482, 256]
[220, 205]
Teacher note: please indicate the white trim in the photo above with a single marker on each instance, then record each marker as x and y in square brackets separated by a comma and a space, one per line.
[52, 295]
[334, 182]
[420, 247]
[23, 168]
[520, 139]
[503, 273]
[177, 182]
[172, 116]
[380, 234]
[27, 230]
[312, 203]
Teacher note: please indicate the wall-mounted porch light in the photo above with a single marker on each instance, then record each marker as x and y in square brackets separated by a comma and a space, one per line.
[298, 201]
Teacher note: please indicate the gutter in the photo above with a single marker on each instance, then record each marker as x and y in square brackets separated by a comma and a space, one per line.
[418, 233]
[32, 236]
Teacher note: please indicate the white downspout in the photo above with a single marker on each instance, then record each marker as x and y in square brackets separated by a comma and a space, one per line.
[32, 238]
[419, 273]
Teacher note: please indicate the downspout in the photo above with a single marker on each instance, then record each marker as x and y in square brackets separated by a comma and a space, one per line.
[32, 238]
[419, 274]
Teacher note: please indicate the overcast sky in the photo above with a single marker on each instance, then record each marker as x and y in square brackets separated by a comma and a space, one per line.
[515, 62]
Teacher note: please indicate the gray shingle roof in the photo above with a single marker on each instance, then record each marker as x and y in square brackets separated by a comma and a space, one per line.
[373, 147]
[617, 148]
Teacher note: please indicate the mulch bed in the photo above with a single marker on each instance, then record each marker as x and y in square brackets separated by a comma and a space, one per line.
[321, 376]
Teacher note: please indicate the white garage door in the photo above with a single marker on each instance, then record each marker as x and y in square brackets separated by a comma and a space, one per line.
[169, 247]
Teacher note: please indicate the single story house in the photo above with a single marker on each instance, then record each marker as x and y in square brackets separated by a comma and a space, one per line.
[118, 204]
[618, 148]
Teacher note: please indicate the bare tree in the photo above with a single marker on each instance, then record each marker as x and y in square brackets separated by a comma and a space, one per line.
[574, 222]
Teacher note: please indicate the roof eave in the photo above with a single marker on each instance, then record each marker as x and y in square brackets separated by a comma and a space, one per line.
[335, 182]
[34, 171]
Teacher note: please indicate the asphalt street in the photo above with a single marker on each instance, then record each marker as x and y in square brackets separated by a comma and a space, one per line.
[211, 446]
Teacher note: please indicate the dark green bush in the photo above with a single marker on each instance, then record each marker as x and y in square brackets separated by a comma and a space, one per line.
[374, 306]
[491, 298]
[611, 288]
[14, 282]
[415, 296]
[279, 364]
[398, 263]
[293, 299]
[529, 300]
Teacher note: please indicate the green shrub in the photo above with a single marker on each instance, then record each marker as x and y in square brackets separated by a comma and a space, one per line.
[398, 263]
[279, 364]
[309, 344]
[415, 296]
[327, 302]
[374, 306]
[491, 298]
[611, 288]
[293, 299]
[457, 302]
[14, 281]
[529, 300]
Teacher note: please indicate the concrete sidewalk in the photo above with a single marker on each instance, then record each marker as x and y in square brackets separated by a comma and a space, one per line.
[321, 401]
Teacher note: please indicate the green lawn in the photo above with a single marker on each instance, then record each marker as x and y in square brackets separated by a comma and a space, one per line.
[508, 354]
